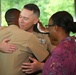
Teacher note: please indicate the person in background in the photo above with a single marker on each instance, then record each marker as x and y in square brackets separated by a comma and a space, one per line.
[27, 45]
[63, 59]
[75, 33]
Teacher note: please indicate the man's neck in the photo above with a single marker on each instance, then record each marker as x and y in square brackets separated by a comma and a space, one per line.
[30, 30]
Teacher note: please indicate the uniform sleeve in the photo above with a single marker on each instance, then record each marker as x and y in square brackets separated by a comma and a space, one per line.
[38, 50]
[2, 27]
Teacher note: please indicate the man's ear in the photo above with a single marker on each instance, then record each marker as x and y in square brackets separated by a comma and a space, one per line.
[36, 20]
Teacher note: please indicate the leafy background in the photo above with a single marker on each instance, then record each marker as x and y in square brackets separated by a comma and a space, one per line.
[47, 8]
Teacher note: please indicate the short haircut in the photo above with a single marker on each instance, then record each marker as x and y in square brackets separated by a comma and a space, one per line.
[11, 15]
[34, 8]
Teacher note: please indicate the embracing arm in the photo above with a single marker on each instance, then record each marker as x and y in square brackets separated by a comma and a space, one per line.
[5, 47]
[35, 66]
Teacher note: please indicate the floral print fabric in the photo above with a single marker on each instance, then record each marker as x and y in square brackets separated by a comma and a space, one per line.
[63, 59]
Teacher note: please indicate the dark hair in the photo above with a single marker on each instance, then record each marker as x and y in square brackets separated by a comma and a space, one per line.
[65, 20]
[12, 15]
[34, 8]
[36, 29]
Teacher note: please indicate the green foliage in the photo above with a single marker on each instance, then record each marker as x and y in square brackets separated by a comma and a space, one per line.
[47, 7]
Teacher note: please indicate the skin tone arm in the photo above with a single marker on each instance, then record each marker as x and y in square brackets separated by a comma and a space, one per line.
[35, 66]
[5, 47]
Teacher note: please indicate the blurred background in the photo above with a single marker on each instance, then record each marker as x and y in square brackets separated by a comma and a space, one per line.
[47, 8]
